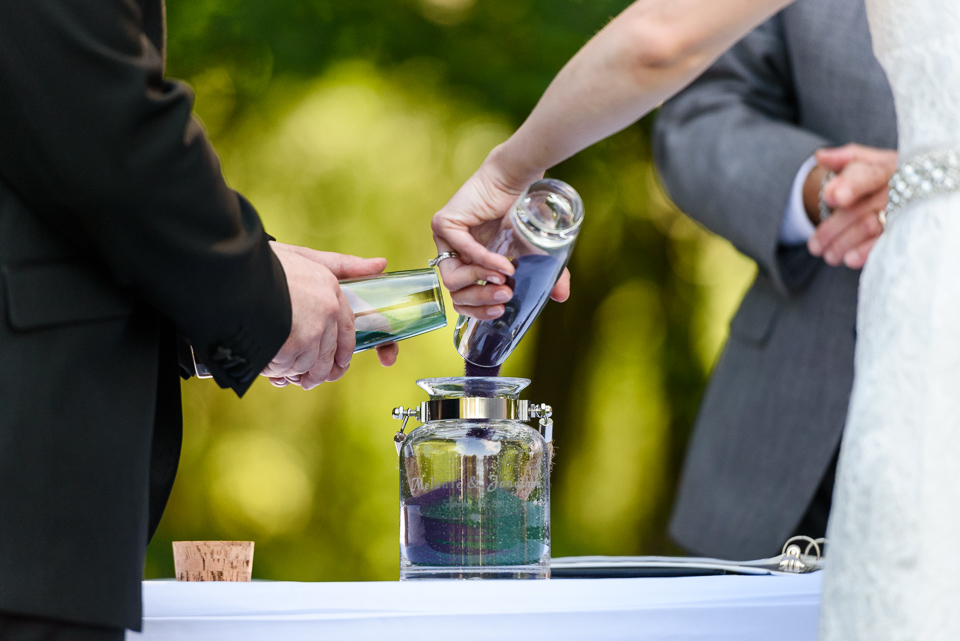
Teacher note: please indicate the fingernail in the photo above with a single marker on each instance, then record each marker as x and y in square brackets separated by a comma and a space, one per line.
[814, 246]
[495, 311]
[496, 279]
[502, 296]
[844, 195]
[831, 258]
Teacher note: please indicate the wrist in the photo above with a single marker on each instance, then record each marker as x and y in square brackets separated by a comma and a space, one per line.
[509, 169]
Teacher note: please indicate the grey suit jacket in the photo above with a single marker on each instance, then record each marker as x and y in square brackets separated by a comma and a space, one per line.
[728, 150]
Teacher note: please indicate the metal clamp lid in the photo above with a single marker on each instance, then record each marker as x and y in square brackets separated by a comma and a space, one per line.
[467, 408]
[472, 408]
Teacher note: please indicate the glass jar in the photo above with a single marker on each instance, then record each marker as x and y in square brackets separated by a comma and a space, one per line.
[537, 236]
[475, 482]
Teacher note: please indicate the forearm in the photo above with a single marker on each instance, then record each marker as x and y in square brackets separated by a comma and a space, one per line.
[729, 148]
[645, 55]
[733, 171]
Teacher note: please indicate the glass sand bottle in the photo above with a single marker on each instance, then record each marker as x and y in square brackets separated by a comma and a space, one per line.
[538, 236]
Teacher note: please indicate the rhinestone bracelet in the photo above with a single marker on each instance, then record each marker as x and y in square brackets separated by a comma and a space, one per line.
[935, 172]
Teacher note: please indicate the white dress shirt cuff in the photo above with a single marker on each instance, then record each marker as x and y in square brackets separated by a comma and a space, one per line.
[796, 228]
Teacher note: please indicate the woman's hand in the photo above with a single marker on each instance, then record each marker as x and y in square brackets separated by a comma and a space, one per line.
[465, 225]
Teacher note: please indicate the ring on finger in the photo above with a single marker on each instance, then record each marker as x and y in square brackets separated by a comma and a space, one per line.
[480, 282]
[882, 217]
[442, 256]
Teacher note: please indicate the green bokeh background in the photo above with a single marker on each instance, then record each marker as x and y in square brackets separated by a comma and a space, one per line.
[348, 123]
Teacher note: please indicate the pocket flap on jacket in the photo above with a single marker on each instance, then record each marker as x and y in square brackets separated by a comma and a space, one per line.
[754, 320]
[42, 295]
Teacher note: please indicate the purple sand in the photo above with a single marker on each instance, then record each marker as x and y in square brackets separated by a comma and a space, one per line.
[480, 388]
[475, 370]
[492, 340]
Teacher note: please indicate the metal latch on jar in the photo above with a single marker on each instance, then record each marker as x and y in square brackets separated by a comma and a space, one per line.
[403, 414]
[475, 408]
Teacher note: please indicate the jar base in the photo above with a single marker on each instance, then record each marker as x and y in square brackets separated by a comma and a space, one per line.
[474, 572]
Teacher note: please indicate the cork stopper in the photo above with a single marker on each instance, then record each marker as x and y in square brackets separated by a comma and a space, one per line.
[213, 560]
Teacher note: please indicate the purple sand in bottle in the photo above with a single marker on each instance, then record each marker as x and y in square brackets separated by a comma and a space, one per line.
[490, 342]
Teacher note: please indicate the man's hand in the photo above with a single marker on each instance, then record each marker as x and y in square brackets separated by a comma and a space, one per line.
[464, 225]
[857, 194]
[322, 338]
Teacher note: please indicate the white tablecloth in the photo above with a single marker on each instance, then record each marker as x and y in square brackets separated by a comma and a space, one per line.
[715, 608]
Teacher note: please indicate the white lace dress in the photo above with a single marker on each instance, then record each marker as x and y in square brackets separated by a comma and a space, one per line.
[893, 567]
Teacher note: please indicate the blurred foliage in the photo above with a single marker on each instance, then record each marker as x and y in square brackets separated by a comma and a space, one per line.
[348, 124]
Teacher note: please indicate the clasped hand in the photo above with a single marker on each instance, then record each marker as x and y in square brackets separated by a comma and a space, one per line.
[322, 336]
[857, 194]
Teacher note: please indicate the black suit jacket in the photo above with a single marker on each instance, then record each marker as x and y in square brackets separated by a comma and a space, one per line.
[116, 232]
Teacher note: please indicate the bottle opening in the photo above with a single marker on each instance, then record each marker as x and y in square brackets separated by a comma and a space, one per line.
[551, 209]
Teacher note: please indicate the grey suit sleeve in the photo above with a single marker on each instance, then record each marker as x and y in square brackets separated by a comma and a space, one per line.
[728, 149]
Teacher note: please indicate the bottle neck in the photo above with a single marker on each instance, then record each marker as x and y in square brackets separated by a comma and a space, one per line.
[548, 214]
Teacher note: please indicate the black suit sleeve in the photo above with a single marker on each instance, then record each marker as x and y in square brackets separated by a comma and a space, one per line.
[103, 148]
[728, 149]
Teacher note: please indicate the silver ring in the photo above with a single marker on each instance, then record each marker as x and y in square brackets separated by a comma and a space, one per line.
[443, 256]
[882, 217]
